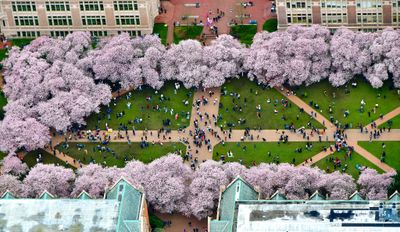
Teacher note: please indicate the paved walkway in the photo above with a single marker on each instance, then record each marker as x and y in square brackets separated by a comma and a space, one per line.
[260, 12]
[387, 117]
[216, 135]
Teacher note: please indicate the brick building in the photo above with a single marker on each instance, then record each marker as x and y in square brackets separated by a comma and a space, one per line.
[32, 18]
[366, 15]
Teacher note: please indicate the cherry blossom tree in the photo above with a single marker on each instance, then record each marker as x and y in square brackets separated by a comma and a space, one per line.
[386, 54]
[307, 58]
[12, 165]
[134, 172]
[336, 185]
[205, 188]
[224, 58]
[351, 55]
[233, 170]
[44, 88]
[165, 184]
[22, 133]
[94, 179]
[12, 184]
[264, 60]
[129, 62]
[185, 62]
[373, 185]
[298, 55]
[56, 180]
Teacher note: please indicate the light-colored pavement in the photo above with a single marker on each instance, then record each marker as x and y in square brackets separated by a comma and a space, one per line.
[387, 117]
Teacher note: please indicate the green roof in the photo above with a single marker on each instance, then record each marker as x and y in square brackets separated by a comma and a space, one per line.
[395, 197]
[7, 195]
[46, 195]
[356, 197]
[219, 226]
[316, 197]
[236, 191]
[277, 196]
[129, 210]
[84, 196]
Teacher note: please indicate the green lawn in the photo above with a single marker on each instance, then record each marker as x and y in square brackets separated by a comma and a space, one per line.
[143, 109]
[255, 95]
[187, 32]
[393, 123]
[161, 30]
[352, 163]
[267, 152]
[392, 150]
[3, 54]
[349, 98]
[3, 102]
[21, 42]
[119, 152]
[244, 33]
[270, 25]
[31, 159]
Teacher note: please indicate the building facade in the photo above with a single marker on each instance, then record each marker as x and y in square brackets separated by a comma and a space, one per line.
[240, 209]
[366, 15]
[33, 18]
[123, 209]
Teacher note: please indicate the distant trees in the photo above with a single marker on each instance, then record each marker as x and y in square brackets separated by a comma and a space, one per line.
[171, 186]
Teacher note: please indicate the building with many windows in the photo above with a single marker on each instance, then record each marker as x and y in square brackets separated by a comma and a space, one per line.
[367, 15]
[32, 18]
[123, 209]
[240, 209]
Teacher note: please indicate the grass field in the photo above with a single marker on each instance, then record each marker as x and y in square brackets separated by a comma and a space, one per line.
[142, 108]
[393, 123]
[161, 30]
[119, 152]
[267, 152]
[3, 54]
[392, 151]
[244, 33]
[255, 95]
[3, 102]
[356, 159]
[348, 98]
[270, 25]
[187, 32]
[31, 159]
[21, 42]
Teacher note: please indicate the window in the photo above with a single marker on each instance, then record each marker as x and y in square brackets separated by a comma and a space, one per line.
[369, 18]
[131, 33]
[59, 20]
[59, 33]
[93, 20]
[28, 34]
[127, 20]
[23, 6]
[91, 6]
[26, 20]
[369, 3]
[99, 33]
[125, 5]
[57, 6]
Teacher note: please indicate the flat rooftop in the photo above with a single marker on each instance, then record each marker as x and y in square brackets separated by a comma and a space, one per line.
[58, 215]
[316, 216]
